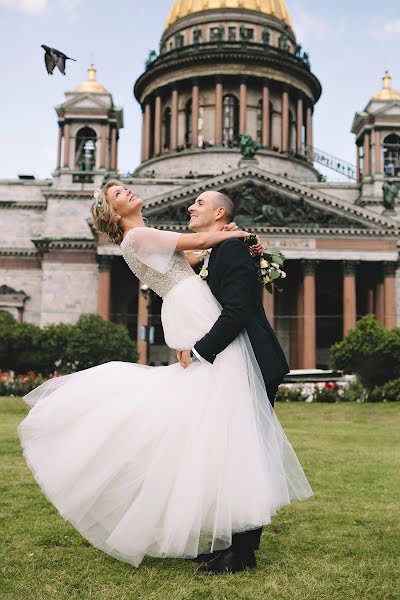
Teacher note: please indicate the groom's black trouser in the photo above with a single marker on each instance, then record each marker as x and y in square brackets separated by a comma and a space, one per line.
[250, 540]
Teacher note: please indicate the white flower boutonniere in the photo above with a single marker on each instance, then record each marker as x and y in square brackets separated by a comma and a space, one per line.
[204, 272]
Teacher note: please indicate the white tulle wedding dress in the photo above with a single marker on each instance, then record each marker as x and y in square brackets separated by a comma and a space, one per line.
[162, 461]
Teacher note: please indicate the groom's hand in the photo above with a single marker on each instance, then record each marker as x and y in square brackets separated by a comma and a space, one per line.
[257, 249]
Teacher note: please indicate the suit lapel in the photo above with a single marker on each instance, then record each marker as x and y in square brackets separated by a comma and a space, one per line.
[211, 280]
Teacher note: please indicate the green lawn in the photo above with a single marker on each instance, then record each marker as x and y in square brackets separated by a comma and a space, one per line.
[342, 544]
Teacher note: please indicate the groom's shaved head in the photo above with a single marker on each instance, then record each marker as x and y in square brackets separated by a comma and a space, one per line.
[221, 200]
[211, 211]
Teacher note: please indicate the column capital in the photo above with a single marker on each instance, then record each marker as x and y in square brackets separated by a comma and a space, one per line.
[350, 266]
[308, 266]
[390, 268]
[104, 262]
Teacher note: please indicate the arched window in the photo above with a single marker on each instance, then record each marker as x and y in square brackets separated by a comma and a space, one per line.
[188, 123]
[167, 129]
[259, 120]
[391, 155]
[85, 149]
[230, 132]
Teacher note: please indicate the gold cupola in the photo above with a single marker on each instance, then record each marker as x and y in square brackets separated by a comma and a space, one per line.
[91, 86]
[184, 8]
[387, 92]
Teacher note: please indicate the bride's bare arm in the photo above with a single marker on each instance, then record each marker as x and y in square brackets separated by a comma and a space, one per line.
[204, 240]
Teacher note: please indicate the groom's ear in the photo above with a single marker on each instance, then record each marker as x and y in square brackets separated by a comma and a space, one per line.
[220, 213]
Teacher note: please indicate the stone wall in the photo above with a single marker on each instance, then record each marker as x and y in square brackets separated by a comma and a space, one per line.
[68, 291]
[30, 282]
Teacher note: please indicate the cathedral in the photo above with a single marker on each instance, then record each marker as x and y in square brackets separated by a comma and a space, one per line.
[227, 103]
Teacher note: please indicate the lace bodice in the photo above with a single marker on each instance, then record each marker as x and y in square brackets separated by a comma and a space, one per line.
[161, 283]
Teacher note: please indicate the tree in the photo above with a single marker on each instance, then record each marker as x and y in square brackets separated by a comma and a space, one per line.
[370, 351]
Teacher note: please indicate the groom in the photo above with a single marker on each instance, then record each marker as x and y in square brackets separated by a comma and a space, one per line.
[232, 278]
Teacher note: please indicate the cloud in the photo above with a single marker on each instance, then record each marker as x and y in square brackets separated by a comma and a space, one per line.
[310, 26]
[391, 27]
[27, 6]
[37, 6]
[385, 30]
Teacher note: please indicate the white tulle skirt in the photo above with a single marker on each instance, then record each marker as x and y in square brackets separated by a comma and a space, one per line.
[163, 461]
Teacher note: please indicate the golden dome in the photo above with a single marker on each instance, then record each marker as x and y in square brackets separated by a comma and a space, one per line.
[91, 85]
[183, 8]
[387, 92]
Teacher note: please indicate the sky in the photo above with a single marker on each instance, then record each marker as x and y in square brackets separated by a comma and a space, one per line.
[350, 43]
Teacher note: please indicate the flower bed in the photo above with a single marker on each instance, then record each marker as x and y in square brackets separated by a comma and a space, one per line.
[19, 385]
[348, 390]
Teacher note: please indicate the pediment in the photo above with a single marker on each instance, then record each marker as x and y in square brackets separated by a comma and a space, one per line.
[390, 110]
[6, 290]
[268, 202]
[87, 101]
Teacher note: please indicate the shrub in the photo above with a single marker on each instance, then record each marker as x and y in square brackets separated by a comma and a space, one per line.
[354, 392]
[291, 394]
[370, 351]
[25, 348]
[7, 325]
[391, 391]
[62, 347]
[375, 395]
[54, 348]
[329, 393]
[94, 341]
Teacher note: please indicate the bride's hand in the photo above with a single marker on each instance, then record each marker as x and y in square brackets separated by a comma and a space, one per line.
[231, 227]
[184, 358]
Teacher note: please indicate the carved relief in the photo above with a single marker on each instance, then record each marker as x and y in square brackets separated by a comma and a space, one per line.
[257, 205]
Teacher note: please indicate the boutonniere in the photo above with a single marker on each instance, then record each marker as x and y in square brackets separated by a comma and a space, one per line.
[269, 268]
[204, 272]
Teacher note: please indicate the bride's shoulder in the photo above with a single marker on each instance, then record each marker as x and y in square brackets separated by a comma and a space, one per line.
[137, 233]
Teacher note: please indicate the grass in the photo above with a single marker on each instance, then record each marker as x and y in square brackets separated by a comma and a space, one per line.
[342, 544]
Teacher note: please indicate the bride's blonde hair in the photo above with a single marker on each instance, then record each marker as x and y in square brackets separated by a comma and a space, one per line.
[105, 218]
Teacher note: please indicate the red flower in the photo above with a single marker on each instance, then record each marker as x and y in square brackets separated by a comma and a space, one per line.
[331, 385]
[57, 374]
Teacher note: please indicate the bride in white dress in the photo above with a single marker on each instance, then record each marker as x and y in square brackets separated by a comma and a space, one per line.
[162, 461]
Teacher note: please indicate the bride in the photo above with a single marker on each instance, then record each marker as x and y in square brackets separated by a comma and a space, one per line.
[162, 461]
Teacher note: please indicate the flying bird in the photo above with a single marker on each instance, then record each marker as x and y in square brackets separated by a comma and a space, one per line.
[54, 58]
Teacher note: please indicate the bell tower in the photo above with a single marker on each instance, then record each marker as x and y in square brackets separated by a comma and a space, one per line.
[377, 131]
[88, 134]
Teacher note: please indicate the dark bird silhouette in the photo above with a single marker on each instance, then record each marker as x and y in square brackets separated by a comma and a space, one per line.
[54, 58]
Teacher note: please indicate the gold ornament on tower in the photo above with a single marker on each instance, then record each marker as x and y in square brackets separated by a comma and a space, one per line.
[91, 86]
[387, 92]
[183, 8]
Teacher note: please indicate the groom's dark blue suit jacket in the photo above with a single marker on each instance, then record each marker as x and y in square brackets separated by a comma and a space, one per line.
[232, 278]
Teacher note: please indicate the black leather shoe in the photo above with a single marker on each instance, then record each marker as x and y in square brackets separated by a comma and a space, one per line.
[207, 555]
[230, 561]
